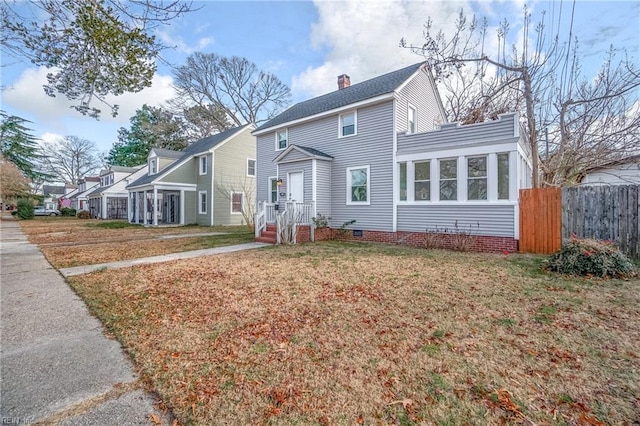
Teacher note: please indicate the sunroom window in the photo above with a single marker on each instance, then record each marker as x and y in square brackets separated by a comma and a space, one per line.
[503, 176]
[448, 180]
[477, 178]
[422, 181]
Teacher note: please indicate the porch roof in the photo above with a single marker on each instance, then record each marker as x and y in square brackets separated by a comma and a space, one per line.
[310, 153]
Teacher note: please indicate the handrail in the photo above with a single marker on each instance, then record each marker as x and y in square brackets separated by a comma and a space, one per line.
[260, 222]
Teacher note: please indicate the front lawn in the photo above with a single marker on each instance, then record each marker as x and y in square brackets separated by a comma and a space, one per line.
[68, 242]
[346, 333]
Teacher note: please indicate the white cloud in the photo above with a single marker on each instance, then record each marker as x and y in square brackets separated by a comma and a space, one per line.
[178, 43]
[26, 95]
[363, 39]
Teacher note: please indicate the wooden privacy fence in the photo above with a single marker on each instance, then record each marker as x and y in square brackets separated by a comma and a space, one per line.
[611, 213]
[540, 220]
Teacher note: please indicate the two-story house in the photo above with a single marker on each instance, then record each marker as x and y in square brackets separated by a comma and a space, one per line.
[378, 152]
[211, 182]
[109, 199]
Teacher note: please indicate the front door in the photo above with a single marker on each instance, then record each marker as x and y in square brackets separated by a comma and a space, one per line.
[172, 208]
[296, 187]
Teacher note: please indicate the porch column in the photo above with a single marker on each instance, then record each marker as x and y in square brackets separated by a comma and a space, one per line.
[129, 207]
[104, 212]
[155, 206]
[144, 203]
[182, 207]
[137, 195]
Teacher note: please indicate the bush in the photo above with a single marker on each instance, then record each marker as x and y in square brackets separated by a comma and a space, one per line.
[591, 257]
[66, 211]
[25, 209]
[84, 214]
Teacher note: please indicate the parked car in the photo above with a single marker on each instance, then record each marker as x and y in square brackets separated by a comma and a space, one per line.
[43, 211]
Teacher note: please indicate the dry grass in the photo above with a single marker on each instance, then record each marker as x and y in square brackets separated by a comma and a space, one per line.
[68, 242]
[339, 333]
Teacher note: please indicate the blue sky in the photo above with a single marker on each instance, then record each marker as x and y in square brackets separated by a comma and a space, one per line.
[307, 45]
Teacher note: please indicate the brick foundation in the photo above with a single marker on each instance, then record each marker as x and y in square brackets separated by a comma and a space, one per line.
[479, 243]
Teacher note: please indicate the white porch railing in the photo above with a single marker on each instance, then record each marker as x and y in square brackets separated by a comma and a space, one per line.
[290, 218]
[260, 222]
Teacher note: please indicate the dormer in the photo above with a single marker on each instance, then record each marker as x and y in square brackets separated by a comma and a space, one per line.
[160, 158]
[106, 177]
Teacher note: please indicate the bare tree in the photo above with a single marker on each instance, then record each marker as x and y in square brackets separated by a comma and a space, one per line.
[70, 158]
[246, 187]
[542, 79]
[92, 47]
[233, 85]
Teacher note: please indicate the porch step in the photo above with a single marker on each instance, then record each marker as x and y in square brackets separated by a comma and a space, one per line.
[272, 227]
[266, 240]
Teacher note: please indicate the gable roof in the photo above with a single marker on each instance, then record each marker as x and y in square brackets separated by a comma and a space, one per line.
[368, 89]
[199, 147]
[52, 190]
[309, 152]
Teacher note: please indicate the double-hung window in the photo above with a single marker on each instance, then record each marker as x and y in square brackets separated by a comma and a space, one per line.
[358, 187]
[203, 165]
[251, 167]
[477, 178]
[422, 181]
[202, 202]
[282, 139]
[236, 202]
[449, 180]
[348, 124]
[411, 119]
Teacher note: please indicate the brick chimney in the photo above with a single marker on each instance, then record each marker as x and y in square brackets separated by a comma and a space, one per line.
[343, 81]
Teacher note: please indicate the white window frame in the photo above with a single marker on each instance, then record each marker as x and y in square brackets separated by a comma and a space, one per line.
[255, 165]
[277, 141]
[203, 165]
[420, 200]
[241, 202]
[470, 178]
[456, 179]
[355, 123]
[270, 192]
[358, 203]
[200, 204]
[411, 108]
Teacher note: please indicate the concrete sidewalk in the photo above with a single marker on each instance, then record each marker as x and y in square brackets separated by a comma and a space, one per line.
[85, 269]
[57, 366]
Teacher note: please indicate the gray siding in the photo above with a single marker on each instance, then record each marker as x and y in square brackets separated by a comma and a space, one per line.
[323, 187]
[230, 171]
[420, 93]
[492, 220]
[372, 146]
[454, 136]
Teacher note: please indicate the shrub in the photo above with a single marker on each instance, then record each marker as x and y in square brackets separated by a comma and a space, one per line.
[66, 211]
[591, 257]
[84, 214]
[25, 209]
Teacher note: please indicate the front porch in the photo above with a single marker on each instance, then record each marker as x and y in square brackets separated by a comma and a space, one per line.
[157, 207]
[275, 225]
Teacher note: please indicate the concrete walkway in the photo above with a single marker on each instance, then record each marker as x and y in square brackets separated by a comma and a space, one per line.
[85, 269]
[56, 364]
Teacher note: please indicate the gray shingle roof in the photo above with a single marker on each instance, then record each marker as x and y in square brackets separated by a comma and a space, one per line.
[195, 148]
[313, 151]
[167, 153]
[368, 89]
[52, 190]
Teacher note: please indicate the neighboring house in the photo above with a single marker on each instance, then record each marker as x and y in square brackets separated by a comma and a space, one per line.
[86, 185]
[110, 199]
[52, 195]
[211, 182]
[377, 153]
[625, 171]
[69, 191]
